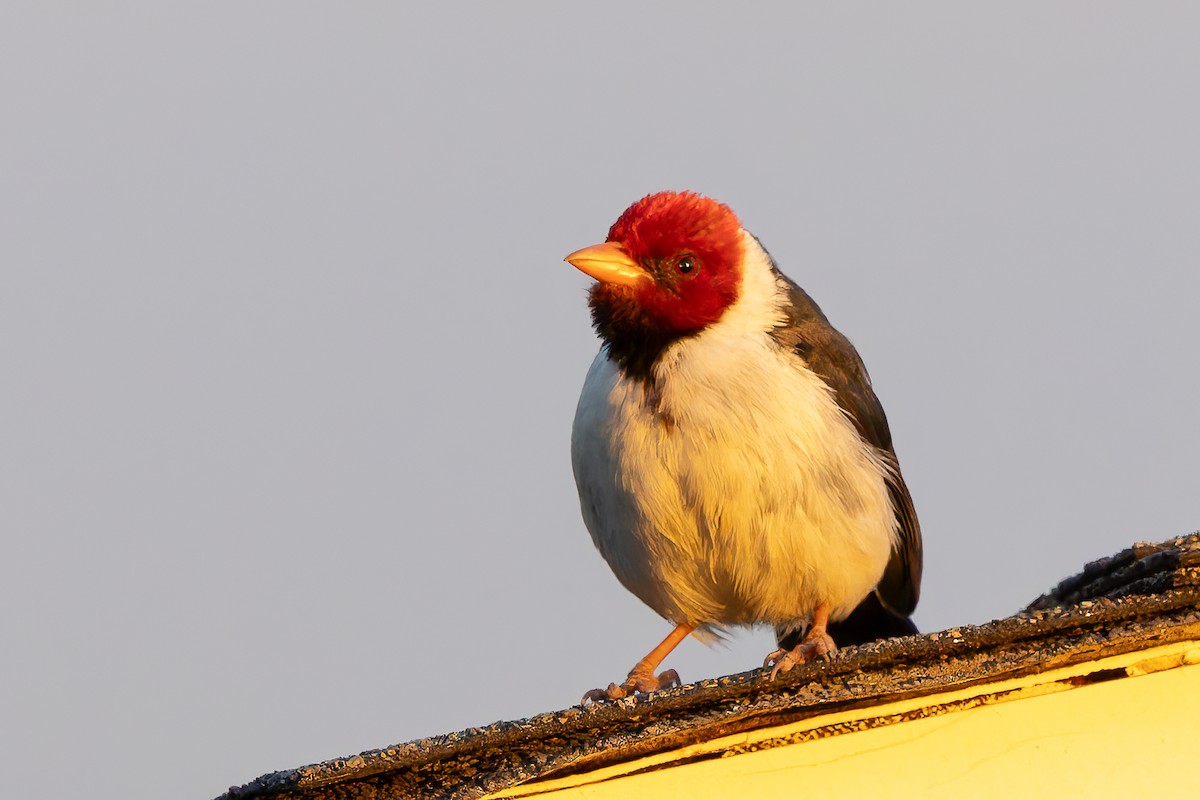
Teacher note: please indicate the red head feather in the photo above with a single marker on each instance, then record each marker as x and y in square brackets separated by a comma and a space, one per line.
[692, 247]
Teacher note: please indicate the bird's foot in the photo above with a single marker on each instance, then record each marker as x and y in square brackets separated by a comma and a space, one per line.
[638, 681]
[641, 677]
[817, 644]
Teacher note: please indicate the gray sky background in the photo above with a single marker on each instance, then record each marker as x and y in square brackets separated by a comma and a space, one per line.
[290, 354]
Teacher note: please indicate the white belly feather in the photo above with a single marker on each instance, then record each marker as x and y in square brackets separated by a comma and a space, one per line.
[736, 491]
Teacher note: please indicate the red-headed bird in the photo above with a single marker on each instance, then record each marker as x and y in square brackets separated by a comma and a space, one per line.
[734, 465]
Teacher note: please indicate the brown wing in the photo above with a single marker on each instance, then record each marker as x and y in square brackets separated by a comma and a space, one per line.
[831, 356]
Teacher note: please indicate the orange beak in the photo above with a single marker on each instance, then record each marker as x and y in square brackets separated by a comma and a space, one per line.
[608, 263]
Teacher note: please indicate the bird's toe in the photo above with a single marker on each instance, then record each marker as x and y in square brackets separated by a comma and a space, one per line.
[774, 657]
[613, 692]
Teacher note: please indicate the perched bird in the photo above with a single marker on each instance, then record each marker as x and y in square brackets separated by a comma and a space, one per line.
[733, 463]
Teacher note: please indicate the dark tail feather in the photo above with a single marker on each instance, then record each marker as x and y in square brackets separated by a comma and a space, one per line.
[868, 622]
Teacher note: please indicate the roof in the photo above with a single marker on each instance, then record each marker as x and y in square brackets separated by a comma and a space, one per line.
[1144, 597]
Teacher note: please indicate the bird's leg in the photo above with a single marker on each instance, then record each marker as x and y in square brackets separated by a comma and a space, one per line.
[817, 643]
[641, 677]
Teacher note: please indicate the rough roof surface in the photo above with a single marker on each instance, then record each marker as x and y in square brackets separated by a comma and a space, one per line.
[1144, 596]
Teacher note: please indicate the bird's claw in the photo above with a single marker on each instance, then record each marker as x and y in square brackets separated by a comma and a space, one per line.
[774, 657]
[815, 645]
[636, 682]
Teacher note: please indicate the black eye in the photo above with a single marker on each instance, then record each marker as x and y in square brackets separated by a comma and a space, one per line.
[685, 265]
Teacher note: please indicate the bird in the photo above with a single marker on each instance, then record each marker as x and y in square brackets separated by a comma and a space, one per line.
[733, 463]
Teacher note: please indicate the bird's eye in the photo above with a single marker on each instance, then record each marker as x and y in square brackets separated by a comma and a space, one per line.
[685, 265]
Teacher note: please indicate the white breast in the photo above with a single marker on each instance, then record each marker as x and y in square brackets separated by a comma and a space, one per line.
[735, 491]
